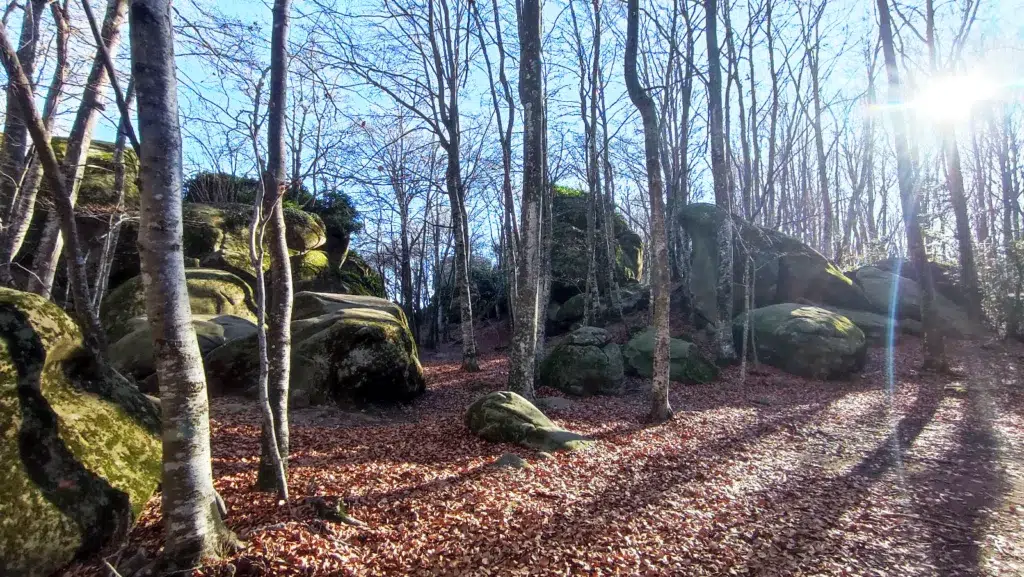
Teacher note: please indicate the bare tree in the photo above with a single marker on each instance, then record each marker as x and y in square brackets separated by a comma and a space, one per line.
[274, 459]
[528, 338]
[661, 410]
[192, 522]
[934, 355]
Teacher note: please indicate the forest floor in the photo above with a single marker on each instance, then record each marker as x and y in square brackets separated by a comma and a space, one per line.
[773, 476]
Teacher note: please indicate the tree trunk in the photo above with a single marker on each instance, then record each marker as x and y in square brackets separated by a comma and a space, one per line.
[523, 351]
[934, 356]
[79, 140]
[661, 410]
[23, 204]
[194, 530]
[279, 331]
[826, 243]
[456, 196]
[14, 155]
[723, 195]
[21, 90]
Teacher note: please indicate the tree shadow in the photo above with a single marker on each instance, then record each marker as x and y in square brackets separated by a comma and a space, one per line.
[100, 511]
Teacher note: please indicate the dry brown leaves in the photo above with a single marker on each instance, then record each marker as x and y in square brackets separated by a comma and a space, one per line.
[776, 476]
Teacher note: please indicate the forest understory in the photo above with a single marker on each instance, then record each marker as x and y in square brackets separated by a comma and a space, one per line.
[776, 475]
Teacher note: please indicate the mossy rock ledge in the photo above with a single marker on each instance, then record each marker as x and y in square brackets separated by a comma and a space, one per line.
[210, 292]
[505, 417]
[79, 447]
[345, 348]
[804, 340]
[686, 364]
[585, 363]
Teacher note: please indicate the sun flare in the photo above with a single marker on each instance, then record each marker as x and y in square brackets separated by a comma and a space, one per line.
[952, 98]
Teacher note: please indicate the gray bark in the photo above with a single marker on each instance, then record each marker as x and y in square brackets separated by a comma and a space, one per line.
[21, 90]
[273, 468]
[525, 342]
[79, 140]
[15, 137]
[193, 527]
[22, 206]
[661, 410]
[723, 194]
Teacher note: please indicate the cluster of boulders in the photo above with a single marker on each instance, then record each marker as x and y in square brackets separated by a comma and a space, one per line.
[808, 317]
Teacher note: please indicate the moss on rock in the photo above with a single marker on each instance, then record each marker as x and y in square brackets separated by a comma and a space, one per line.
[79, 451]
[505, 417]
[686, 364]
[805, 340]
[211, 292]
[585, 363]
[359, 278]
[786, 269]
[345, 348]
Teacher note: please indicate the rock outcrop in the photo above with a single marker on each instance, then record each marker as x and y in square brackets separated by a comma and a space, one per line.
[79, 447]
[804, 340]
[585, 363]
[686, 364]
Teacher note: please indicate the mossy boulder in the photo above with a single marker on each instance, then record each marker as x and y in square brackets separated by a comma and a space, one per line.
[79, 447]
[345, 348]
[786, 270]
[97, 192]
[879, 286]
[571, 310]
[210, 292]
[357, 277]
[569, 255]
[132, 355]
[804, 340]
[686, 364]
[505, 417]
[313, 271]
[585, 363]
[876, 326]
[218, 235]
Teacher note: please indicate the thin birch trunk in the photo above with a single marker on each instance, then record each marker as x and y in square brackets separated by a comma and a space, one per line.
[79, 140]
[529, 323]
[193, 527]
[934, 354]
[273, 468]
[23, 204]
[661, 410]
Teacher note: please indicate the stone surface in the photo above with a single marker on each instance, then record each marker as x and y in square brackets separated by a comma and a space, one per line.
[511, 461]
[686, 365]
[584, 363]
[79, 448]
[345, 348]
[878, 286]
[805, 340]
[211, 292]
[505, 417]
[786, 269]
[876, 326]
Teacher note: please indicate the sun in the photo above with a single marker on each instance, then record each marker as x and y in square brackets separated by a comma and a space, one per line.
[952, 98]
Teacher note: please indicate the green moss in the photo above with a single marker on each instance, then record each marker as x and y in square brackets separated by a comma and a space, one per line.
[686, 364]
[359, 278]
[210, 291]
[505, 417]
[93, 454]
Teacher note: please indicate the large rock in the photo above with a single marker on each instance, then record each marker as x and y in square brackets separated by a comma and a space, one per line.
[945, 276]
[505, 417]
[79, 447]
[218, 235]
[132, 355]
[876, 326]
[345, 348]
[357, 277]
[785, 269]
[568, 253]
[686, 364]
[879, 285]
[210, 292]
[805, 340]
[585, 363]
